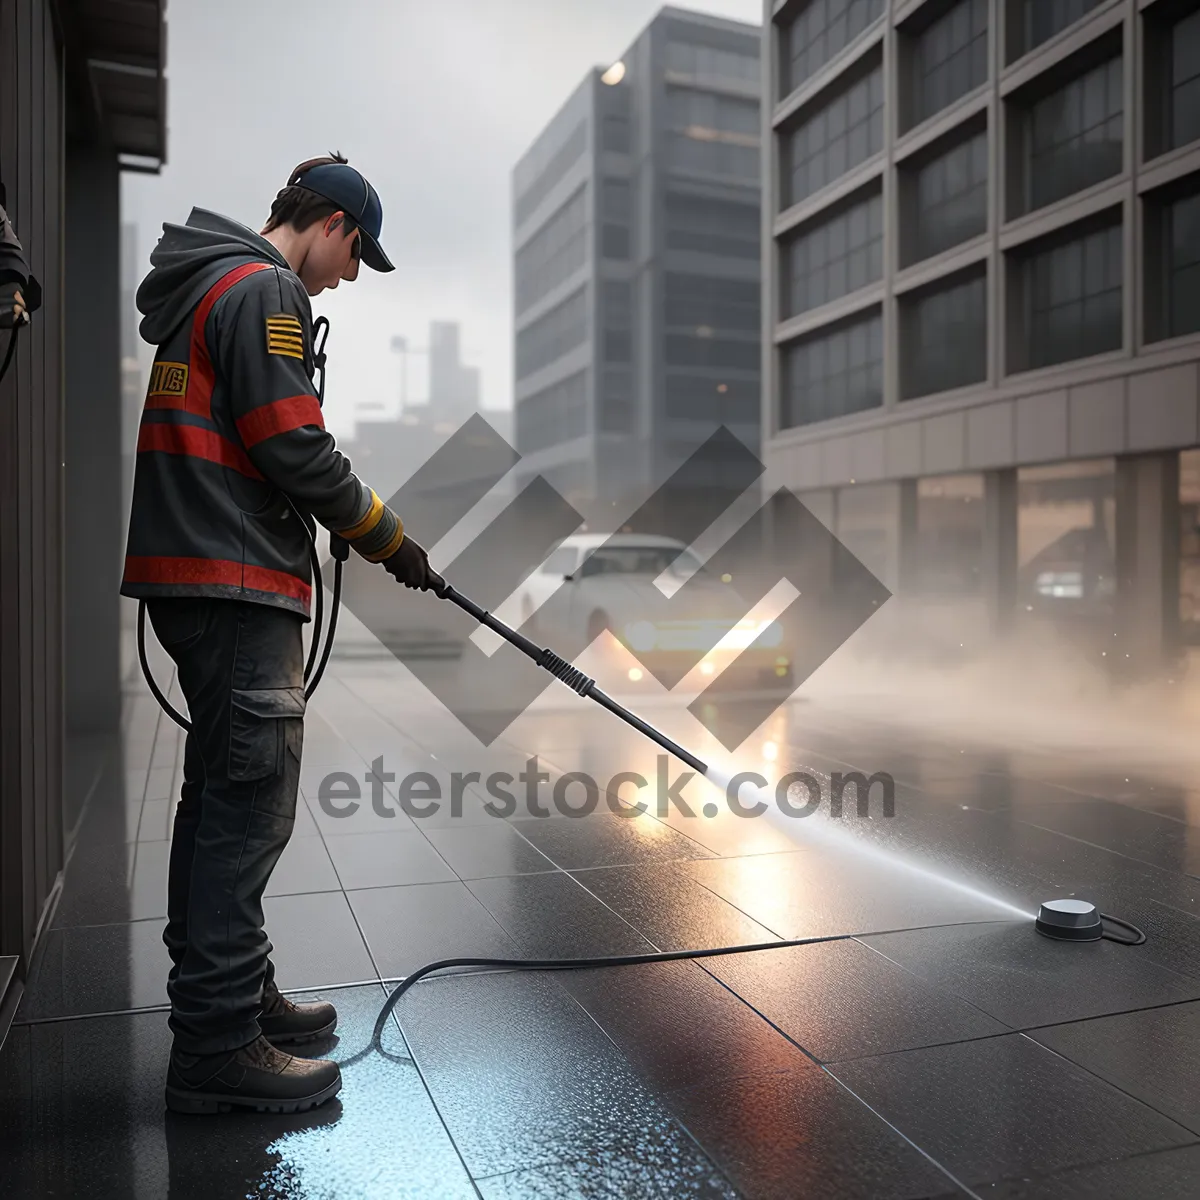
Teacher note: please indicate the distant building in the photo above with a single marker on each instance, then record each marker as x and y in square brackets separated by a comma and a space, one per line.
[390, 450]
[637, 234]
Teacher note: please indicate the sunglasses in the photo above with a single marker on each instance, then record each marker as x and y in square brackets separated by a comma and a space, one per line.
[356, 249]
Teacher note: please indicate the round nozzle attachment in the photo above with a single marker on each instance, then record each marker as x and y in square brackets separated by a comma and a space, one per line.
[1069, 921]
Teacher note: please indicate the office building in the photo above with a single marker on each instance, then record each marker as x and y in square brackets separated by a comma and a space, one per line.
[637, 237]
[982, 299]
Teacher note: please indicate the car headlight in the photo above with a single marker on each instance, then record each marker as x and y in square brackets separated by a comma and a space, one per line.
[641, 635]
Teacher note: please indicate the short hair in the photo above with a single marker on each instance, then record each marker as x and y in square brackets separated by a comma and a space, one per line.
[298, 207]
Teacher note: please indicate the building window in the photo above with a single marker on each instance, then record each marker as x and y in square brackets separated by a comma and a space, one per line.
[1066, 534]
[949, 199]
[555, 414]
[713, 135]
[1039, 20]
[703, 348]
[944, 337]
[553, 254]
[1184, 113]
[614, 133]
[1076, 136]
[821, 30]
[1073, 295]
[708, 398]
[709, 65]
[1189, 547]
[616, 402]
[838, 137]
[831, 259]
[618, 322]
[1182, 245]
[950, 530]
[703, 302]
[833, 373]
[616, 212]
[728, 228]
[949, 59]
[550, 337]
[545, 165]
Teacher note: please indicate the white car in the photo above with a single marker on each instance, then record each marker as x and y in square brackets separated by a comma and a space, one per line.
[610, 583]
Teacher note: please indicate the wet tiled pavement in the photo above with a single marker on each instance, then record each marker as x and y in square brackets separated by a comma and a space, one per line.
[934, 1046]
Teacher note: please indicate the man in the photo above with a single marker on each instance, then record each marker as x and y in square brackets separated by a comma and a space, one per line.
[20, 294]
[232, 457]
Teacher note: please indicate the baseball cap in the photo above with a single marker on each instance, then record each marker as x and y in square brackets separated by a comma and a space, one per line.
[342, 185]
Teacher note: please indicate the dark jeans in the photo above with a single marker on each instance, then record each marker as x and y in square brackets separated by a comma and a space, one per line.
[241, 670]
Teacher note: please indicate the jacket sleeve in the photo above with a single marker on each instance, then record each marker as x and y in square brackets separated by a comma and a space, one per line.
[13, 267]
[260, 336]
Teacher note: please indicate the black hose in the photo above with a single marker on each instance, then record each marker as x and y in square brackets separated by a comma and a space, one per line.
[1138, 936]
[575, 964]
[12, 349]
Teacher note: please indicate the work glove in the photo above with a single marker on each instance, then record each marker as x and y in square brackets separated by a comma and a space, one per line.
[13, 310]
[410, 566]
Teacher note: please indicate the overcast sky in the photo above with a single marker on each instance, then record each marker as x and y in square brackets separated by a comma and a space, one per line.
[434, 100]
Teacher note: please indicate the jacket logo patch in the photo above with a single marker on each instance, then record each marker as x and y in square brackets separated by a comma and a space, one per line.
[285, 335]
[168, 379]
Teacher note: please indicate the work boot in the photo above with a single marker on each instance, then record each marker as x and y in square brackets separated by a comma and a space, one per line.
[286, 1024]
[257, 1077]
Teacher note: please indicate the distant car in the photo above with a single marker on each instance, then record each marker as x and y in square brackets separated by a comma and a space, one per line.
[611, 585]
[1073, 576]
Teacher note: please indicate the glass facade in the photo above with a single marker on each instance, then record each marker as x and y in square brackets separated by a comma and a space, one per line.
[1189, 547]
[1185, 80]
[845, 132]
[820, 31]
[706, 302]
[553, 415]
[713, 134]
[949, 199]
[835, 256]
[553, 254]
[705, 64]
[616, 214]
[727, 228]
[1042, 19]
[550, 337]
[1066, 539]
[1074, 298]
[949, 59]
[705, 397]
[944, 337]
[1183, 266]
[617, 314]
[833, 373]
[949, 543]
[1076, 136]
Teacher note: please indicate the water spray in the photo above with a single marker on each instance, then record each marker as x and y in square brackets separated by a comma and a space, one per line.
[1068, 920]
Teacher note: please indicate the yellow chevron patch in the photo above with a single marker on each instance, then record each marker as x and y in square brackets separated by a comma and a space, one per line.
[285, 335]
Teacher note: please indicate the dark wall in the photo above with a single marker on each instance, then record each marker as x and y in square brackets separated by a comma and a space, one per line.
[31, 483]
[94, 470]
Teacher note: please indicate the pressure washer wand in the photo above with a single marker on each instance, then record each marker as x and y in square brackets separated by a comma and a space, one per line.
[575, 679]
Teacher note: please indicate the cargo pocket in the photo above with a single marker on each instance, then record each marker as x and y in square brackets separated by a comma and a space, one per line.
[264, 725]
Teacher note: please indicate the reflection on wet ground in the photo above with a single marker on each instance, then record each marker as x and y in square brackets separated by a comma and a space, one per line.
[934, 1046]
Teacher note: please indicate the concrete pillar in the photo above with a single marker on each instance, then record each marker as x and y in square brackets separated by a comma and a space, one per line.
[908, 563]
[92, 441]
[1147, 554]
[1000, 548]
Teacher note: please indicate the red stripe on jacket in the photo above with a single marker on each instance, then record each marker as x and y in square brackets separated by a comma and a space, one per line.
[280, 416]
[201, 377]
[167, 570]
[194, 442]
